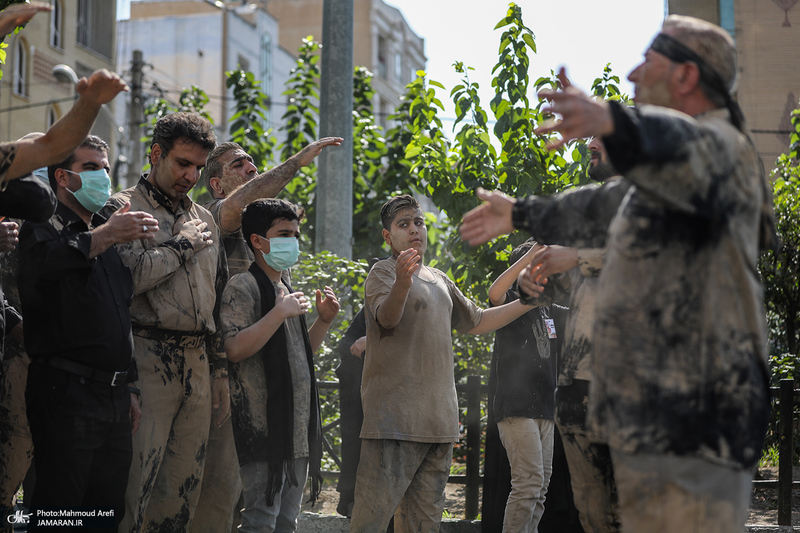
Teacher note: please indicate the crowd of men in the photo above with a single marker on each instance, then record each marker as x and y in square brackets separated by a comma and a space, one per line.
[171, 366]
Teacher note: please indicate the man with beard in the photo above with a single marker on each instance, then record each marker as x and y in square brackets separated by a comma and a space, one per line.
[178, 276]
[234, 182]
[679, 386]
[574, 223]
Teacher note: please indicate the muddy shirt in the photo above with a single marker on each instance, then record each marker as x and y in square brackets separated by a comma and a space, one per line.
[408, 388]
[680, 340]
[174, 287]
[238, 253]
[241, 308]
[578, 218]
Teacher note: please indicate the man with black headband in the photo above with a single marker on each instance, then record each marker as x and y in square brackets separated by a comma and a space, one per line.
[679, 385]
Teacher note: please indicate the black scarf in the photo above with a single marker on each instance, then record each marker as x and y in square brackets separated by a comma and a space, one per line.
[280, 406]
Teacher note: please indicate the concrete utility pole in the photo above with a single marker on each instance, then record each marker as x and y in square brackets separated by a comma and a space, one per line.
[135, 120]
[334, 225]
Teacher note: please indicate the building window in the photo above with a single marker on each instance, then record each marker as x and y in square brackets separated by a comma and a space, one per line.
[398, 67]
[52, 116]
[96, 25]
[56, 25]
[20, 68]
[266, 64]
[383, 54]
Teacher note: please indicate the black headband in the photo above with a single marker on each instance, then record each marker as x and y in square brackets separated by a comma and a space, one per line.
[676, 51]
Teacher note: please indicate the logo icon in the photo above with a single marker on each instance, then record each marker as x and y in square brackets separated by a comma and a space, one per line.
[19, 517]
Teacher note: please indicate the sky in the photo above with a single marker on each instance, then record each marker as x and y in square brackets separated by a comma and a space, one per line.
[582, 35]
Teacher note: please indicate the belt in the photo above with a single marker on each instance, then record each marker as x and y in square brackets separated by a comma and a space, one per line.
[115, 379]
[181, 338]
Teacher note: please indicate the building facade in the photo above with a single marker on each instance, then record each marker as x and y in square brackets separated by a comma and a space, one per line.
[767, 35]
[194, 42]
[383, 42]
[80, 34]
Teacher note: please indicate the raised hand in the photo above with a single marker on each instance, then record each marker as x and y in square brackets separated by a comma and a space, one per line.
[581, 115]
[489, 220]
[327, 307]
[293, 304]
[307, 154]
[19, 15]
[552, 259]
[407, 263]
[101, 87]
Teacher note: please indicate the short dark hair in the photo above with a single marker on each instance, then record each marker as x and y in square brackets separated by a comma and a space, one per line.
[191, 127]
[92, 141]
[519, 251]
[213, 166]
[394, 206]
[260, 215]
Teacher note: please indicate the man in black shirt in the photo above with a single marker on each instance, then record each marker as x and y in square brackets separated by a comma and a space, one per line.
[75, 293]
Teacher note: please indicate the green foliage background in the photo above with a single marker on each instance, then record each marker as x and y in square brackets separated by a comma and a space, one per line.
[492, 147]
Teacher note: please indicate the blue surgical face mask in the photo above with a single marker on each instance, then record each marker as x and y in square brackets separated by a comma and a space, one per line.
[95, 189]
[283, 252]
[42, 174]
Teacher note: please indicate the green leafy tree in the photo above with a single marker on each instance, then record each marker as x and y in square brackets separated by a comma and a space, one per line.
[247, 123]
[509, 156]
[300, 125]
[780, 271]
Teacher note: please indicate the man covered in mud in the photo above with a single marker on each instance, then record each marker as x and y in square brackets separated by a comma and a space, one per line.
[234, 182]
[76, 292]
[576, 223]
[679, 379]
[177, 277]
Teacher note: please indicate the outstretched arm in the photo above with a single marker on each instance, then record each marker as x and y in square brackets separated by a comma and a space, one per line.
[498, 290]
[495, 318]
[65, 135]
[489, 220]
[19, 14]
[269, 184]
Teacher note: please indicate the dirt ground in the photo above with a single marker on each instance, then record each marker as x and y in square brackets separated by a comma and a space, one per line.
[763, 508]
[764, 505]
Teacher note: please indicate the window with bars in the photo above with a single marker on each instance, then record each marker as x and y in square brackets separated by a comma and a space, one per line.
[20, 68]
[96, 25]
[56, 25]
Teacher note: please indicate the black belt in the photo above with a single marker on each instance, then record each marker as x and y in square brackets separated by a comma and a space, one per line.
[181, 338]
[115, 379]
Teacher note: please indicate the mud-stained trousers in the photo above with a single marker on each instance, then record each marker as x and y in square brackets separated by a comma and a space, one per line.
[590, 466]
[675, 494]
[401, 478]
[169, 449]
[16, 445]
[221, 484]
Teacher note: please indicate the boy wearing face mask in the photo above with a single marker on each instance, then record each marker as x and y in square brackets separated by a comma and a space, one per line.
[270, 354]
[76, 292]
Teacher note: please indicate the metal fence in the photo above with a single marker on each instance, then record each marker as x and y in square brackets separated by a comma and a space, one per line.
[474, 391]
